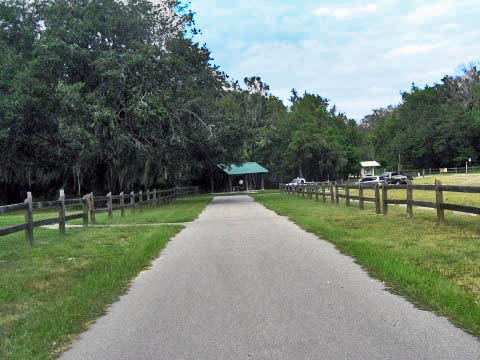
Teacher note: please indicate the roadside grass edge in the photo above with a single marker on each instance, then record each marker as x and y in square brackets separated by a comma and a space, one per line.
[424, 289]
[51, 326]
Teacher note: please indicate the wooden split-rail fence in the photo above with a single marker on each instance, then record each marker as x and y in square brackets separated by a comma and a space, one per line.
[107, 204]
[341, 190]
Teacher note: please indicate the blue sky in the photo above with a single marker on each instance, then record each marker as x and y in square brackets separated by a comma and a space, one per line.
[358, 54]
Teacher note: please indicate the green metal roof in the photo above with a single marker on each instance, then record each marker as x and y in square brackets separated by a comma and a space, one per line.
[242, 169]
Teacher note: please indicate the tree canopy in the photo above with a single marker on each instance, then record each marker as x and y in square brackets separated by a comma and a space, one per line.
[438, 126]
[110, 95]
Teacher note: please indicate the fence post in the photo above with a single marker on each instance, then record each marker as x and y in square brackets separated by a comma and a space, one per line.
[337, 195]
[86, 208]
[140, 200]
[316, 192]
[439, 203]
[378, 209]
[409, 199]
[332, 194]
[304, 188]
[385, 198]
[360, 196]
[61, 212]
[122, 204]
[110, 207]
[29, 218]
[92, 209]
[132, 203]
[347, 194]
[324, 197]
[155, 202]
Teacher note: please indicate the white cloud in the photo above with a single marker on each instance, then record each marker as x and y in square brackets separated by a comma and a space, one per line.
[409, 50]
[449, 27]
[359, 65]
[424, 13]
[347, 12]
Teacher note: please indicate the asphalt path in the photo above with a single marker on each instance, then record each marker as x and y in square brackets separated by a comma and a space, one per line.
[241, 282]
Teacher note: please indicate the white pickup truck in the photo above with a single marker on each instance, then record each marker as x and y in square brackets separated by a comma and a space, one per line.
[299, 181]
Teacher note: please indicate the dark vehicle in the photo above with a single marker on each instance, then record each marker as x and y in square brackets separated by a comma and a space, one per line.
[395, 178]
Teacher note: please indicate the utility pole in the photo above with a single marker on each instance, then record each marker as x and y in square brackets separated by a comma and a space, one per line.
[398, 170]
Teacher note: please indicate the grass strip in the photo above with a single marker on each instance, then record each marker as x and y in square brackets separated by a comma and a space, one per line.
[53, 291]
[183, 209]
[437, 267]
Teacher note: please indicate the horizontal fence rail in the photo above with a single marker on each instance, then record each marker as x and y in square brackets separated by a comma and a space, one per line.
[90, 206]
[340, 190]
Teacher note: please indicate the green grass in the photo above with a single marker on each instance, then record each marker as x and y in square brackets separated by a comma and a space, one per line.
[448, 197]
[436, 266]
[52, 291]
[181, 210]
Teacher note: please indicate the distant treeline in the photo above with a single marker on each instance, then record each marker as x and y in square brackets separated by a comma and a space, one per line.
[107, 95]
[438, 126]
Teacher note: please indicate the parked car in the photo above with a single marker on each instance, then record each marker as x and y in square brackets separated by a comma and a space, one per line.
[369, 180]
[394, 178]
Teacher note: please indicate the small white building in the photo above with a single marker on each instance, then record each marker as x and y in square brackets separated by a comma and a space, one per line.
[368, 167]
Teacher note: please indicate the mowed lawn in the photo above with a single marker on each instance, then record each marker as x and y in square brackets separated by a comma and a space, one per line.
[435, 266]
[183, 209]
[52, 291]
[448, 197]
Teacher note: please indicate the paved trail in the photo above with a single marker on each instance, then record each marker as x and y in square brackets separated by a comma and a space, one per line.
[244, 283]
